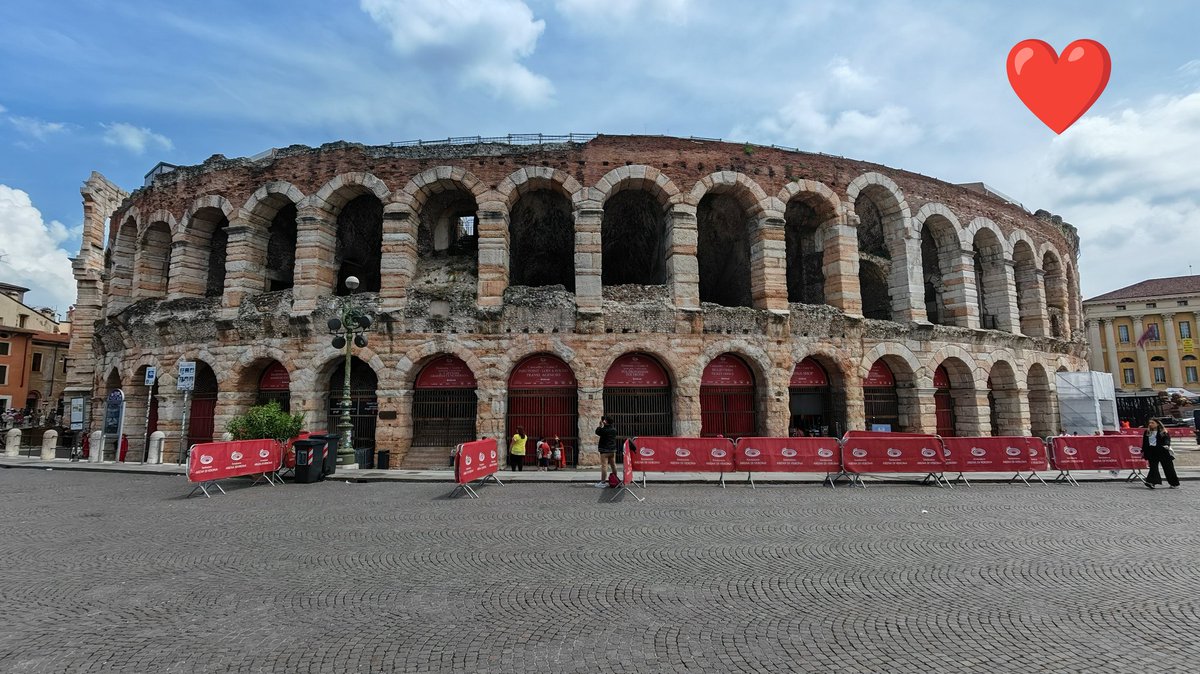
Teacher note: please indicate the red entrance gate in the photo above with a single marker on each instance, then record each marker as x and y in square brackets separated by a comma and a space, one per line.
[637, 396]
[880, 401]
[204, 406]
[727, 398]
[543, 399]
[811, 403]
[275, 385]
[943, 403]
[444, 404]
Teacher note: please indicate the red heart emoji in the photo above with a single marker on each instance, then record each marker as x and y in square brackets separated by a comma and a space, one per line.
[1058, 91]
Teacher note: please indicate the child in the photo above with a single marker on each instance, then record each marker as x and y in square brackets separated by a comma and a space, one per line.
[556, 455]
[543, 454]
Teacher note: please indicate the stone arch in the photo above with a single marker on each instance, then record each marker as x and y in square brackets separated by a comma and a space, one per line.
[1027, 280]
[895, 355]
[810, 209]
[444, 205]
[214, 201]
[841, 370]
[729, 206]
[1042, 402]
[266, 201]
[884, 224]
[749, 194]
[533, 178]
[765, 385]
[972, 376]
[330, 358]
[1057, 294]
[515, 354]
[636, 177]
[665, 358]
[635, 225]
[990, 255]
[333, 196]
[414, 360]
[152, 271]
[962, 399]
[757, 358]
[946, 297]
[199, 268]
[436, 180]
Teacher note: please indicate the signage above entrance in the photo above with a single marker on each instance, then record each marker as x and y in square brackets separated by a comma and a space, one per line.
[808, 374]
[727, 370]
[275, 378]
[541, 372]
[880, 375]
[636, 370]
[446, 372]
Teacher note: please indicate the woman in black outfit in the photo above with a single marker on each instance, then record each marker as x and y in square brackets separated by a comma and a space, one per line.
[1156, 447]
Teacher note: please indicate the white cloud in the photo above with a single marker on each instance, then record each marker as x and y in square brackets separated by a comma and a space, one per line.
[31, 254]
[483, 42]
[35, 127]
[133, 138]
[597, 13]
[3, 109]
[1127, 180]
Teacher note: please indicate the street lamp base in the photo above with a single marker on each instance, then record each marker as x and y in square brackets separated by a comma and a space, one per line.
[345, 457]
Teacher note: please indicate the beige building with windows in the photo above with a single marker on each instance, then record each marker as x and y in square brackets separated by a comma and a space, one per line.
[1164, 311]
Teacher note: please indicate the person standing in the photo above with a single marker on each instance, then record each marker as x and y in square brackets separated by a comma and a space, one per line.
[543, 455]
[516, 450]
[557, 453]
[608, 449]
[1156, 447]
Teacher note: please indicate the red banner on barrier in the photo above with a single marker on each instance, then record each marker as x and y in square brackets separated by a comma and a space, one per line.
[220, 460]
[787, 455]
[476, 460]
[627, 465]
[897, 454]
[1097, 452]
[700, 455]
[987, 454]
[1038, 458]
[884, 434]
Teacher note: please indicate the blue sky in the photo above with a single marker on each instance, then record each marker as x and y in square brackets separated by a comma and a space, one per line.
[118, 86]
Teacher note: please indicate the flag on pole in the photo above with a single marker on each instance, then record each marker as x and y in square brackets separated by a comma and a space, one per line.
[1151, 333]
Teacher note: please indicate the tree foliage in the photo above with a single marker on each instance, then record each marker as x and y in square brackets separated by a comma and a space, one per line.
[266, 421]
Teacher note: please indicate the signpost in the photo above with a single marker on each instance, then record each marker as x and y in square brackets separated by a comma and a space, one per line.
[114, 423]
[186, 383]
[77, 414]
[151, 376]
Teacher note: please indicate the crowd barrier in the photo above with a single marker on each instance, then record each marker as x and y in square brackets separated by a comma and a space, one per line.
[1096, 452]
[475, 461]
[212, 461]
[787, 455]
[682, 455]
[882, 453]
[626, 478]
[998, 454]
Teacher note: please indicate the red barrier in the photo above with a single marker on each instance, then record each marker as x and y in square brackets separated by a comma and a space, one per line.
[689, 455]
[1097, 452]
[894, 454]
[1129, 447]
[1173, 431]
[883, 434]
[987, 454]
[1039, 459]
[476, 460]
[787, 455]
[220, 460]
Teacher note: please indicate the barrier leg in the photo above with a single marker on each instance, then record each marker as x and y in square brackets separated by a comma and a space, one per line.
[963, 477]
[643, 480]
[1039, 477]
[1022, 477]
[830, 479]
[722, 481]
[464, 488]
[623, 489]
[1136, 475]
[1065, 476]
[203, 487]
[750, 479]
[491, 477]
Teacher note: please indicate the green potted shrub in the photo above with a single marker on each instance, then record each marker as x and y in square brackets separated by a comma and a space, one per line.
[266, 422]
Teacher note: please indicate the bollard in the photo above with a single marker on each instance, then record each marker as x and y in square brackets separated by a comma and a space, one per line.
[12, 442]
[157, 438]
[97, 449]
[49, 444]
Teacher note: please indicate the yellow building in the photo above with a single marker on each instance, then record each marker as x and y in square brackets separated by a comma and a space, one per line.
[1159, 313]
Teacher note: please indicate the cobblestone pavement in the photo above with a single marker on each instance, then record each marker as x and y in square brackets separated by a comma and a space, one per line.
[104, 573]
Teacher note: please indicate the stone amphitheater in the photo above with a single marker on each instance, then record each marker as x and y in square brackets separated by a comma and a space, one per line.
[683, 286]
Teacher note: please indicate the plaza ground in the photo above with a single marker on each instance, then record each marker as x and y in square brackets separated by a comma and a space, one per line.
[119, 572]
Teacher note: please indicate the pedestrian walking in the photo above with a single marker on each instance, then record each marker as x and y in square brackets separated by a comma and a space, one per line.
[608, 449]
[124, 448]
[1156, 447]
[516, 450]
[543, 455]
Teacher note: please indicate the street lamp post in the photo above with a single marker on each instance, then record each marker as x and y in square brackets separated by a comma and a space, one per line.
[348, 331]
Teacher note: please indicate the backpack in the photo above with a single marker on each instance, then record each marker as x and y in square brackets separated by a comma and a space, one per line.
[613, 480]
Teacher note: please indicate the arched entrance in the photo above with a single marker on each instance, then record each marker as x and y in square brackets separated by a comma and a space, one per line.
[811, 402]
[943, 402]
[444, 404]
[543, 399]
[204, 405]
[637, 396]
[727, 398]
[274, 385]
[881, 404]
[364, 405]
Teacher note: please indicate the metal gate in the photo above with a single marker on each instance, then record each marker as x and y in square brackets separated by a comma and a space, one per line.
[200, 418]
[881, 406]
[639, 412]
[727, 411]
[443, 417]
[545, 413]
[284, 398]
[943, 405]
[363, 411]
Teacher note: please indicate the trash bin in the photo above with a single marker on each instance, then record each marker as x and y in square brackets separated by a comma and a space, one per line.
[384, 461]
[330, 456]
[364, 457]
[308, 460]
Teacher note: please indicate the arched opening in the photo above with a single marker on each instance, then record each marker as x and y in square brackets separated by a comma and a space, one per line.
[1026, 277]
[723, 250]
[208, 237]
[1043, 420]
[881, 403]
[637, 397]
[444, 406]
[990, 278]
[943, 403]
[1056, 295]
[543, 399]
[153, 262]
[281, 249]
[1005, 416]
[633, 240]
[805, 255]
[931, 273]
[727, 398]
[202, 413]
[360, 243]
[364, 405]
[275, 385]
[939, 248]
[120, 266]
[542, 241]
[874, 253]
[448, 236]
[811, 401]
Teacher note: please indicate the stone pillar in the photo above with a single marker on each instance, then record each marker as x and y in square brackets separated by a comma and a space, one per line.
[589, 259]
[906, 284]
[856, 410]
[399, 263]
[492, 225]
[966, 301]
[972, 412]
[768, 264]
[683, 269]
[840, 267]
[687, 407]
[591, 407]
[1143, 363]
[1176, 368]
[245, 261]
[49, 444]
[12, 442]
[1032, 309]
[1114, 362]
[918, 412]
[1096, 352]
[157, 438]
[1008, 314]
[1014, 411]
[316, 249]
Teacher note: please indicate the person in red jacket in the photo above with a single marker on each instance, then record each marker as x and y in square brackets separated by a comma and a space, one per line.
[124, 448]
